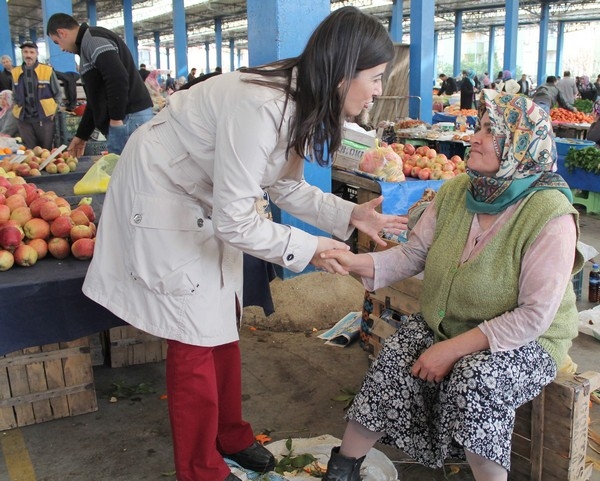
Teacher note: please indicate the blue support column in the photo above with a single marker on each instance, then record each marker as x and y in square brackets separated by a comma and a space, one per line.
[510, 35]
[421, 58]
[543, 42]
[128, 26]
[279, 29]
[218, 40]
[491, 52]
[61, 61]
[207, 52]
[396, 21]
[6, 44]
[33, 35]
[560, 43]
[458, 26]
[92, 13]
[135, 51]
[157, 49]
[180, 37]
[168, 52]
[239, 57]
[231, 54]
[436, 36]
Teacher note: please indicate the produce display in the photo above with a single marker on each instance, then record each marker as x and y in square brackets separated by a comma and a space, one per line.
[35, 223]
[456, 110]
[584, 105]
[27, 163]
[425, 163]
[395, 162]
[587, 159]
[566, 116]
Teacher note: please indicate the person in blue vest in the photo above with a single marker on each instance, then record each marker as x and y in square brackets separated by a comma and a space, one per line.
[37, 95]
[118, 102]
[496, 317]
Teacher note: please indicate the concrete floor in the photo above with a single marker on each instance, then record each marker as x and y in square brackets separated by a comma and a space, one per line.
[290, 382]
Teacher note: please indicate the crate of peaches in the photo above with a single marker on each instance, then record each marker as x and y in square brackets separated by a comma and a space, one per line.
[35, 223]
[33, 162]
[425, 163]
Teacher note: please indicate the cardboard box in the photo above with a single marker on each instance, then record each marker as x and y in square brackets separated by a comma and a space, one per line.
[129, 346]
[46, 382]
[348, 155]
[358, 137]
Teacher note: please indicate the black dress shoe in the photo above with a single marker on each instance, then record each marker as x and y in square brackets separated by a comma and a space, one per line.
[232, 477]
[255, 458]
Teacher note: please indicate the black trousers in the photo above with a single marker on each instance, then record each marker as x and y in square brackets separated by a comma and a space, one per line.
[69, 81]
[37, 133]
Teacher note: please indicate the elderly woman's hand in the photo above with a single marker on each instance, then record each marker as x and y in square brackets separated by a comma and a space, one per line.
[366, 219]
[436, 362]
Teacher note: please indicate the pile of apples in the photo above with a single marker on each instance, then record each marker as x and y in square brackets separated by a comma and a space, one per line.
[63, 163]
[35, 223]
[425, 163]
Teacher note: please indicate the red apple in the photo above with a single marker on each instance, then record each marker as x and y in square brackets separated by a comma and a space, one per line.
[83, 249]
[409, 149]
[7, 260]
[425, 173]
[59, 247]
[10, 237]
[21, 215]
[25, 255]
[37, 228]
[49, 211]
[80, 232]
[40, 245]
[61, 226]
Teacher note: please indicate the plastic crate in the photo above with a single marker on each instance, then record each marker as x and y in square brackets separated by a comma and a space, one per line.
[578, 284]
[95, 147]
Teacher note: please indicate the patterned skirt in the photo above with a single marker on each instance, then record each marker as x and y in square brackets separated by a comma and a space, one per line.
[472, 408]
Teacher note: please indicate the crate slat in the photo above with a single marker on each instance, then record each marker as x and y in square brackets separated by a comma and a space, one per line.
[130, 346]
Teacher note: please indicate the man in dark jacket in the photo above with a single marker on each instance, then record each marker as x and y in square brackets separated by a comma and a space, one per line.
[118, 102]
[449, 86]
[547, 95]
[6, 82]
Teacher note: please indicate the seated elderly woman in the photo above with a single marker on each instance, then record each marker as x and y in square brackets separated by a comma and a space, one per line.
[8, 122]
[498, 247]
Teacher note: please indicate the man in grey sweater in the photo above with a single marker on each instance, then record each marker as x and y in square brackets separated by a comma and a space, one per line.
[547, 95]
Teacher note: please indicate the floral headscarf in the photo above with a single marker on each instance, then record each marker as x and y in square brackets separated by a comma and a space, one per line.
[7, 95]
[524, 143]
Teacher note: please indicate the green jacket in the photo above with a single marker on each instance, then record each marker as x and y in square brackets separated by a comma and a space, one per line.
[457, 298]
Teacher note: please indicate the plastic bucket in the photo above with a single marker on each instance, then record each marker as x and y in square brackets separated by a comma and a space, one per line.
[563, 145]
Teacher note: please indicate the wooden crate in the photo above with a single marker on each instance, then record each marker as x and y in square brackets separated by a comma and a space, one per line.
[46, 382]
[98, 348]
[129, 346]
[550, 438]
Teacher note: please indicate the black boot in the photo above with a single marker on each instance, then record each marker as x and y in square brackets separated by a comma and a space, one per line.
[255, 457]
[342, 468]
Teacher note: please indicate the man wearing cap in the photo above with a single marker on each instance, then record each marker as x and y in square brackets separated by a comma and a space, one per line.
[118, 102]
[37, 95]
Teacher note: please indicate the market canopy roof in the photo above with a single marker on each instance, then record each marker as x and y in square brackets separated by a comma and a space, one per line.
[150, 16]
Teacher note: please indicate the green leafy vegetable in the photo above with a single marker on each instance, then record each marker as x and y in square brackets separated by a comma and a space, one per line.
[584, 105]
[587, 159]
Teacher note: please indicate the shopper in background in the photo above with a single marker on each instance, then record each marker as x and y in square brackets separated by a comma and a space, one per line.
[37, 95]
[467, 89]
[183, 199]
[6, 81]
[593, 133]
[117, 100]
[448, 382]
[485, 81]
[524, 85]
[192, 74]
[567, 86]
[547, 95]
[586, 89]
[448, 86]
[144, 72]
[597, 85]
[8, 123]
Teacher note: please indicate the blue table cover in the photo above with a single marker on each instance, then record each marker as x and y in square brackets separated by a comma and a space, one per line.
[439, 117]
[398, 197]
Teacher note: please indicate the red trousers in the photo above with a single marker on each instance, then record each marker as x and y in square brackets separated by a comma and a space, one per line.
[204, 388]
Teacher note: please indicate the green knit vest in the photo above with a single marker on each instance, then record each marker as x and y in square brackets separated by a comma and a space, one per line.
[457, 298]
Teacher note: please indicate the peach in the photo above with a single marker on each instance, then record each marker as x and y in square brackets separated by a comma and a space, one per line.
[80, 232]
[32, 194]
[49, 211]
[35, 173]
[10, 237]
[21, 215]
[25, 255]
[7, 260]
[59, 247]
[62, 202]
[17, 180]
[15, 200]
[40, 245]
[2, 198]
[22, 169]
[88, 210]
[16, 189]
[79, 217]
[61, 226]
[83, 249]
[4, 213]
[63, 168]
[36, 205]
[51, 168]
[37, 228]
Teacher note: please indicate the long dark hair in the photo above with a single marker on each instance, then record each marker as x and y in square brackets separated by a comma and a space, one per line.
[345, 42]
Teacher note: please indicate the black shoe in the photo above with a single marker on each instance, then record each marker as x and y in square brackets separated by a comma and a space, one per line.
[255, 458]
[232, 477]
[342, 468]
